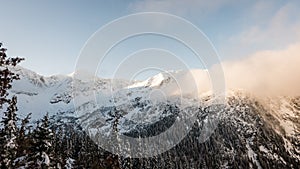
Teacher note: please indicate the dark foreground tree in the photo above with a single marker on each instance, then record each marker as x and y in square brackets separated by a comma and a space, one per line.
[9, 144]
[6, 75]
[8, 108]
[41, 150]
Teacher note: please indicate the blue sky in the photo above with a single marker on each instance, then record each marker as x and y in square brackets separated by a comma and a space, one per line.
[50, 34]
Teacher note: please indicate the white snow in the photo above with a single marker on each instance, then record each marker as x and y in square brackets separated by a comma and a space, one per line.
[46, 159]
[263, 149]
[252, 155]
[69, 163]
[54, 95]
[35, 94]
[186, 83]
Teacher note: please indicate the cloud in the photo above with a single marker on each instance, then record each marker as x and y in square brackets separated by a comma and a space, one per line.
[280, 28]
[273, 54]
[270, 72]
[267, 42]
[275, 31]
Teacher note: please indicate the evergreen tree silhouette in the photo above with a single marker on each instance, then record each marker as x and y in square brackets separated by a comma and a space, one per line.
[8, 145]
[42, 152]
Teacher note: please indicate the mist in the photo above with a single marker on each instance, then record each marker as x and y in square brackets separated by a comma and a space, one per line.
[275, 72]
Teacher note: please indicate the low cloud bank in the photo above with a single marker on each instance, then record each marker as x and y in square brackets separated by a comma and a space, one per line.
[266, 72]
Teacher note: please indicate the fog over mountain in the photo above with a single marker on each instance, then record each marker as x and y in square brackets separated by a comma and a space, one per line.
[257, 127]
[270, 72]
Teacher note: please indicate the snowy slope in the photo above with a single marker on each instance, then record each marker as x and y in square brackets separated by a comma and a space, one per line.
[40, 95]
[94, 101]
[54, 95]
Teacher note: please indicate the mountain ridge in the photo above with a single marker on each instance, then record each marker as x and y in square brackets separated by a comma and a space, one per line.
[255, 120]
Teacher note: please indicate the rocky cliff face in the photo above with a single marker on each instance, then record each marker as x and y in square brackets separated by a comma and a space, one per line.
[251, 131]
[249, 134]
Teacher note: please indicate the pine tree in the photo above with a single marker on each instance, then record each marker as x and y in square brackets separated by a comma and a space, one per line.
[23, 135]
[24, 127]
[8, 146]
[24, 141]
[6, 76]
[42, 152]
[9, 149]
[59, 146]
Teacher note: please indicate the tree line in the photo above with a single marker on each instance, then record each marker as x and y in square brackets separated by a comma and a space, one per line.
[48, 143]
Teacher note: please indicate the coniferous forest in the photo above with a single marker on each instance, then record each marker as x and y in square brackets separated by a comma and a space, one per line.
[245, 129]
[45, 144]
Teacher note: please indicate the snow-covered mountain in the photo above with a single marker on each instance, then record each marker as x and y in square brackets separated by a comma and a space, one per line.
[257, 132]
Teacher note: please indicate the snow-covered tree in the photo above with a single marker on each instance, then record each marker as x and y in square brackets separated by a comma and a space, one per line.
[24, 141]
[8, 145]
[69, 163]
[6, 76]
[42, 151]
